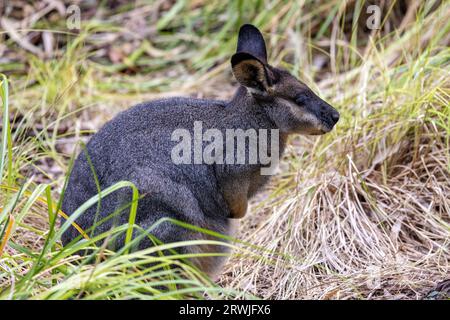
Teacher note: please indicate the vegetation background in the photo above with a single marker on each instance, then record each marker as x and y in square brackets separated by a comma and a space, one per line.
[362, 212]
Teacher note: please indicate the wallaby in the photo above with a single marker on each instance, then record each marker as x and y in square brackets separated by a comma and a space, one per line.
[137, 146]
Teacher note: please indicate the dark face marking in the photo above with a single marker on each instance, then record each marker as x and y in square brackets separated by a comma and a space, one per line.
[297, 109]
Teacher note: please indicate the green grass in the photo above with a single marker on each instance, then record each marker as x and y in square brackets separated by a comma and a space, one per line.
[53, 272]
[371, 195]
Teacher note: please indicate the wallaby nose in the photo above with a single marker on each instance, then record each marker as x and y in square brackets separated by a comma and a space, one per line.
[335, 116]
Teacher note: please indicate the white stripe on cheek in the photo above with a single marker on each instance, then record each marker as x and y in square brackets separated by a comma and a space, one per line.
[300, 115]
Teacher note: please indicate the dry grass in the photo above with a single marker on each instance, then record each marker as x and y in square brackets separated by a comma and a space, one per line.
[362, 212]
[353, 237]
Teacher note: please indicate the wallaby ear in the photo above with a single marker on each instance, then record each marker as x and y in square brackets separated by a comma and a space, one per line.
[251, 41]
[250, 71]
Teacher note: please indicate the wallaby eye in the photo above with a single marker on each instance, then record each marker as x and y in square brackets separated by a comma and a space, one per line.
[301, 99]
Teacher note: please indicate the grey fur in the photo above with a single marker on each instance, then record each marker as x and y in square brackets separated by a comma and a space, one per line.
[136, 146]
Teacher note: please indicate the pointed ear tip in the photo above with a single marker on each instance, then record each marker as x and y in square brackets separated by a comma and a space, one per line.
[248, 27]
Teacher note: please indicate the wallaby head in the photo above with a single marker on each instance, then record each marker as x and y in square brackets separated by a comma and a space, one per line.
[290, 104]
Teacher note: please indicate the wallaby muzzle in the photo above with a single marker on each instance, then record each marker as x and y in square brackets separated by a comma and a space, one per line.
[326, 115]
